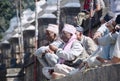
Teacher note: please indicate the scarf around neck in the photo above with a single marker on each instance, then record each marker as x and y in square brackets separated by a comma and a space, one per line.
[68, 45]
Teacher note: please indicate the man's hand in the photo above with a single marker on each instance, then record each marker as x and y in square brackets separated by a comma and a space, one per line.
[117, 27]
[49, 51]
[97, 35]
[83, 64]
[53, 48]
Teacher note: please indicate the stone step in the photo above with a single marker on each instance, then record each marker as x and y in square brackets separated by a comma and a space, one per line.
[15, 74]
[103, 73]
[12, 72]
[15, 79]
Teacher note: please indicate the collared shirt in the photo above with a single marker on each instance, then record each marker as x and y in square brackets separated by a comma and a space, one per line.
[116, 51]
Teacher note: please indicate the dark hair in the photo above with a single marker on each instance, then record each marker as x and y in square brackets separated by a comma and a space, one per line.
[117, 19]
[109, 15]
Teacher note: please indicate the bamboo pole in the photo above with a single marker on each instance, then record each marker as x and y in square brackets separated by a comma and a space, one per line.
[21, 43]
[36, 26]
[17, 14]
[36, 41]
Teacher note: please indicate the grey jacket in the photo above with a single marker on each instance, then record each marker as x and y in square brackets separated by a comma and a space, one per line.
[88, 44]
[71, 54]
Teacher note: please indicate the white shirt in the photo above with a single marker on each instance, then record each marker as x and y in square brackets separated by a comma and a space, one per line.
[116, 51]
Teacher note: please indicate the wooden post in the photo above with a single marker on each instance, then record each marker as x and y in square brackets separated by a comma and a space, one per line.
[21, 43]
[36, 41]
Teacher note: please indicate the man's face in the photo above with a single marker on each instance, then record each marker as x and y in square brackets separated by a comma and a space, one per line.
[66, 36]
[78, 34]
[50, 35]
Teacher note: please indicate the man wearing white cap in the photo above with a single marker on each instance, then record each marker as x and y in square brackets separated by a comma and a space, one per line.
[68, 54]
[71, 48]
[42, 53]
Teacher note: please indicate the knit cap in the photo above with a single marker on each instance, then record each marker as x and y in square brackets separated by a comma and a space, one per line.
[69, 28]
[53, 28]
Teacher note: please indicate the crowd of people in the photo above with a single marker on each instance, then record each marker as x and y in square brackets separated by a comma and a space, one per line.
[71, 51]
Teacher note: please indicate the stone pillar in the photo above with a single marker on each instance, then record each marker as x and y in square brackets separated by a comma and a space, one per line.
[5, 54]
[15, 51]
[43, 23]
[69, 10]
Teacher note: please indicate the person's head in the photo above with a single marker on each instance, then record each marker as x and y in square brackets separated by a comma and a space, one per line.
[117, 20]
[52, 32]
[112, 23]
[67, 32]
[79, 32]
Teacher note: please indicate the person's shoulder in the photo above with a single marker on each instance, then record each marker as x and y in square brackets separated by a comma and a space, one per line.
[76, 42]
[87, 37]
[103, 25]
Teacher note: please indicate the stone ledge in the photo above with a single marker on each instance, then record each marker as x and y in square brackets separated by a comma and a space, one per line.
[105, 73]
[13, 70]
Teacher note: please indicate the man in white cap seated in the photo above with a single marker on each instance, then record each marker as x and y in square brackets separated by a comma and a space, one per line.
[71, 49]
[68, 54]
[88, 44]
[53, 39]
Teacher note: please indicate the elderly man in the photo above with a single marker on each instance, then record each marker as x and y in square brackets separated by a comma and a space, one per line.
[53, 39]
[68, 54]
[71, 48]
